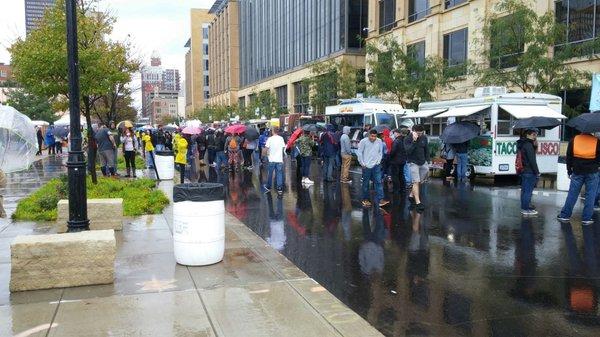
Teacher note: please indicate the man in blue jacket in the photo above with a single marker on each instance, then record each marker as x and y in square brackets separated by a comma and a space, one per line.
[329, 150]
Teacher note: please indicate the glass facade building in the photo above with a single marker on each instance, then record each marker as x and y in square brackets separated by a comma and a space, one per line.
[34, 11]
[277, 36]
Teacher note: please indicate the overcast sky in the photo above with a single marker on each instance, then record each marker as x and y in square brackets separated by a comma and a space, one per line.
[162, 25]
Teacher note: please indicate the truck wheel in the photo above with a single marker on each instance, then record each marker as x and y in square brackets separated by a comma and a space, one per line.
[471, 172]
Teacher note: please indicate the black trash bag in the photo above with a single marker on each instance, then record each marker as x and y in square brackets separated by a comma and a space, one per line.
[164, 153]
[198, 192]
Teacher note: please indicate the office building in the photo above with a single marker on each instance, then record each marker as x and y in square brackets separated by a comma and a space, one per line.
[450, 29]
[5, 72]
[279, 40]
[163, 106]
[224, 50]
[34, 11]
[157, 79]
[197, 76]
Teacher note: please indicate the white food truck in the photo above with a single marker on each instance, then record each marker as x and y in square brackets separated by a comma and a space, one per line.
[358, 112]
[494, 151]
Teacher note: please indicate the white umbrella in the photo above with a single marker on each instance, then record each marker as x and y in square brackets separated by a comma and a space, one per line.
[18, 142]
[40, 123]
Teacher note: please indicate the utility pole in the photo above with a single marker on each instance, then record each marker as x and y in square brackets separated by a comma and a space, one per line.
[78, 220]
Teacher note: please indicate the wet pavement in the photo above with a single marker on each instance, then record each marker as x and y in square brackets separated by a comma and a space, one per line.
[254, 291]
[469, 265]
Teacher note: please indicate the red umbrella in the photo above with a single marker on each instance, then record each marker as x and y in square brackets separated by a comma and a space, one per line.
[192, 130]
[235, 129]
[293, 138]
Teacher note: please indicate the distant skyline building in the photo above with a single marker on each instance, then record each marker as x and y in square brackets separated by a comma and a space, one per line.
[157, 79]
[34, 11]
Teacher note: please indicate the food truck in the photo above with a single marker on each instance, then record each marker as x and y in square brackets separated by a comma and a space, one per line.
[291, 122]
[494, 151]
[358, 112]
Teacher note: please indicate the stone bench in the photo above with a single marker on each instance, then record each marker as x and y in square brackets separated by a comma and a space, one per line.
[62, 260]
[102, 213]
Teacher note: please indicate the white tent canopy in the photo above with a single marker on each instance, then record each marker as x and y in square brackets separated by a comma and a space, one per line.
[66, 120]
[526, 111]
[424, 113]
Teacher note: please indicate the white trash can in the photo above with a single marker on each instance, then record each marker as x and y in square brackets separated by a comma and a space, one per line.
[165, 164]
[199, 223]
[562, 177]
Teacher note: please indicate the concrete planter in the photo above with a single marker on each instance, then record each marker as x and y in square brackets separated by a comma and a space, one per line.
[103, 214]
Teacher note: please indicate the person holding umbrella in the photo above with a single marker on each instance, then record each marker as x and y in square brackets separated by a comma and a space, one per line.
[583, 158]
[462, 156]
[530, 172]
[50, 140]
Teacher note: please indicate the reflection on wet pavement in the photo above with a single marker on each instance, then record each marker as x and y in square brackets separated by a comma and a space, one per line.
[469, 265]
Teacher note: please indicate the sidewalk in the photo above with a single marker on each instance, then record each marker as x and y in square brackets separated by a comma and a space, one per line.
[254, 291]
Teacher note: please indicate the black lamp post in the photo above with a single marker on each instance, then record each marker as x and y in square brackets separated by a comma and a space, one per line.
[78, 220]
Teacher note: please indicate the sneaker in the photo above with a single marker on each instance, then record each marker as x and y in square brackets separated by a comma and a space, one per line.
[597, 208]
[308, 181]
[280, 193]
[346, 181]
[366, 203]
[529, 212]
[562, 219]
[587, 222]
[383, 203]
[267, 189]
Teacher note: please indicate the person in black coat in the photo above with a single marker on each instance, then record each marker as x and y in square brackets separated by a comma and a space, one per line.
[398, 161]
[530, 174]
[40, 140]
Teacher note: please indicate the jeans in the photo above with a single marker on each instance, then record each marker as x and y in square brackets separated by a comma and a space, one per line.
[211, 156]
[461, 165]
[328, 163]
[368, 175]
[407, 175]
[597, 202]
[278, 169]
[160, 147]
[305, 165]
[150, 159]
[221, 159]
[130, 161]
[528, 182]
[591, 188]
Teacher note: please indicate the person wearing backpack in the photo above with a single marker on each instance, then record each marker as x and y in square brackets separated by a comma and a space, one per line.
[526, 166]
[233, 151]
[583, 161]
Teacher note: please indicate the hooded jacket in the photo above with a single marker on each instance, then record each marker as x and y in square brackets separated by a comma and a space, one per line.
[398, 153]
[527, 148]
[345, 146]
[328, 143]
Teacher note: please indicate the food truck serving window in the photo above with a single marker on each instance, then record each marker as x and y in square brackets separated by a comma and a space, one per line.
[505, 123]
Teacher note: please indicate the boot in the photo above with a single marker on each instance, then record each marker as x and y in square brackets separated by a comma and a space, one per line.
[128, 175]
[104, 171]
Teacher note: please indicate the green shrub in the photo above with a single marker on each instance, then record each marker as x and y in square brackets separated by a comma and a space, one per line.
[140, 196]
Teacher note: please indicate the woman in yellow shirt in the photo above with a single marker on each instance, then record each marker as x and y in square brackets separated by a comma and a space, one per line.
[149, 149]
[181, 145]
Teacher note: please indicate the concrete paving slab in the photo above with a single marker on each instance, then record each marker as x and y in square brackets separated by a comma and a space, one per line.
[131, 243]
[31, 320]
[139, 274]
[146, 222]
[345, 321]
[240, 266]
[167, 314]
[263, 309]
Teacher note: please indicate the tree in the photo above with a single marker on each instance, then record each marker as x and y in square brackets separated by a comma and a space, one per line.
[115, 107]
[267, 106]
[331, 81]
[517, 46]
[33, 106]
[40, 61]
[212, 113]
[396, 70]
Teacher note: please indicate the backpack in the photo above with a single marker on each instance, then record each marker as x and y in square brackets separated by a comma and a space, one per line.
[519, 162]
[233, 143]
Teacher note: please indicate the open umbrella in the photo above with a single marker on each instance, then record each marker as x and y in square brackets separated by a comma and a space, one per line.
[18, 142]
[192, 130]
[295, 135]
[170, 127]
[587, 122]
[147, 127]
[236, 129]
[61, 131]
[251, 133]
[460, 132]
[313, 128]
[537, 123]
[381, 128]
[124, 124]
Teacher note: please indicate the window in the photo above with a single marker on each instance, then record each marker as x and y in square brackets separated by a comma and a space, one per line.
[387, 119]
[301, 98]
[205, 32]
[417, 9]
[417, 52]
[387, 15]
[358, 16]
[205, 49]
[455, 51]
[452, 3]
[282, 97]
[581, 19]
[2, 73]
[205, 65]
[507, 42]
[206, 95]
[242, 102]
[206, 78]
[505, 123]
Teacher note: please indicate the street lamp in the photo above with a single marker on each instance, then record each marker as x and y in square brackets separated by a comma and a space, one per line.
[78, 220]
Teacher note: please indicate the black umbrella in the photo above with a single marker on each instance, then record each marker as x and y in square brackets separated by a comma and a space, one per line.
[460, 132]
[537, 123]
[61, 131]
[251, 133]
[313, 128]
[381, 128]
[586, 123]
